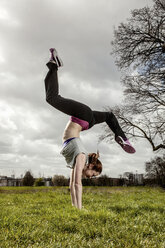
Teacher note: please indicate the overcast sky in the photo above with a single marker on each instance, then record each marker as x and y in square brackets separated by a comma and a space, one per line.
[30, 129]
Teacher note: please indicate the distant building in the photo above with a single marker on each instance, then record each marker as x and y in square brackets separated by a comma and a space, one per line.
[133, 179]
[48, 181]
[12, 181]
[9, 181]
[139, 179]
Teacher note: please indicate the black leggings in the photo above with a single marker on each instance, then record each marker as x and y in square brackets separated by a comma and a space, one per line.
[74, 108]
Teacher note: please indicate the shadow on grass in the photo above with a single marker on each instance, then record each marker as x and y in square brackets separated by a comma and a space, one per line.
[136, 210]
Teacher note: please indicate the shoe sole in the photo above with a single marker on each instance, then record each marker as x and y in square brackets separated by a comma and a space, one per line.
[57, 59]
[126, 147]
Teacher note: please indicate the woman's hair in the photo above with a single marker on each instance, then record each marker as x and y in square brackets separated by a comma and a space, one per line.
[93, 159]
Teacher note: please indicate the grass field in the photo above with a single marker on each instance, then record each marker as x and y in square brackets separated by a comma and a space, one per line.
[117, 217]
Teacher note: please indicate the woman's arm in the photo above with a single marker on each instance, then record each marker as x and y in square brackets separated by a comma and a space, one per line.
[72, 189]
[76, 184]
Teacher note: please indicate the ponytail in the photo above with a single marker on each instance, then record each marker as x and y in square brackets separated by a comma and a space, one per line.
[93, 159]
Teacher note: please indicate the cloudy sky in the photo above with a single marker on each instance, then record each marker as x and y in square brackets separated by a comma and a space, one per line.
[81, 30]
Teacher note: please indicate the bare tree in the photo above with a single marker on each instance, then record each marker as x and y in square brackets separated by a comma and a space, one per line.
[155, 169]
[141, 41]
[139, 46]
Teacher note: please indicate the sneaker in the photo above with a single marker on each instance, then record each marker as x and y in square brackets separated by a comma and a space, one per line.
[55, 57]
[125, 144]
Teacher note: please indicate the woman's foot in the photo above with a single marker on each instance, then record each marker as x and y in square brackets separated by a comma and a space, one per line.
[55, 58]
[125, 144]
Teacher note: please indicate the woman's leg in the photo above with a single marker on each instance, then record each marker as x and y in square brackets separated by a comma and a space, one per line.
[67, 106]
[110, 119]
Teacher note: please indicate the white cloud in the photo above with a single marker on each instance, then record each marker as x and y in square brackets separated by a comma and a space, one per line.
[2, 58]
[7, 18]
[4, 15]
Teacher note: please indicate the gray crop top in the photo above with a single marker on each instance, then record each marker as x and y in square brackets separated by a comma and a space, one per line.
[71, 150]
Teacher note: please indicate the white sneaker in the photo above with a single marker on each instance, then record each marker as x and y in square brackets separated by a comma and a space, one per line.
[125, 144]
[55, 57]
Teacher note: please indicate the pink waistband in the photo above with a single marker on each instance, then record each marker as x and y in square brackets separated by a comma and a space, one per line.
[82, 123]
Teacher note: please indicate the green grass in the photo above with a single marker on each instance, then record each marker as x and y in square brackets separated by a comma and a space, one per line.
[111, 217]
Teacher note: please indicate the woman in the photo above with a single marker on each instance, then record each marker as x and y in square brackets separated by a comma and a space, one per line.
[82, 118]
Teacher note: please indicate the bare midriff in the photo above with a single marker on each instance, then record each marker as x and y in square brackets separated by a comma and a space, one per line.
[72, 130]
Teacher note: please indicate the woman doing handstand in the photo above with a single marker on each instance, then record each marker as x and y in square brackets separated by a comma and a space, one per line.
[82, 118]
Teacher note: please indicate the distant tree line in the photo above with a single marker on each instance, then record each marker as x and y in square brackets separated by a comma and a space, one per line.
[155, 175]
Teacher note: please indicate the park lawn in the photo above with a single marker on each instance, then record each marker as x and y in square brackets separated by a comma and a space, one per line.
[117, 217]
